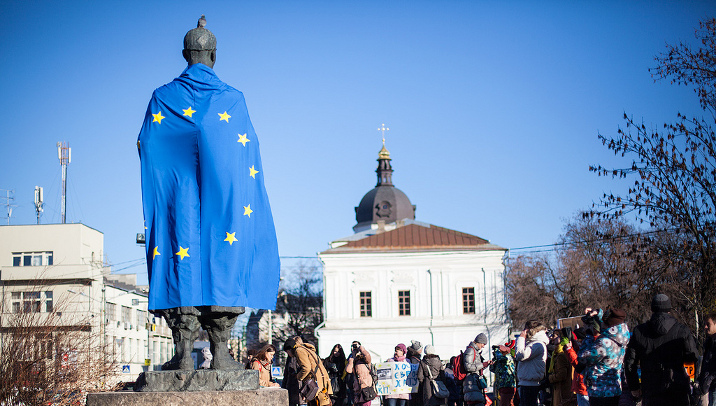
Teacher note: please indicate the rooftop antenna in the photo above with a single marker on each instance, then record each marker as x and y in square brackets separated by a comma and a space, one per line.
[64, 153]
[39, 202]
[8, 203]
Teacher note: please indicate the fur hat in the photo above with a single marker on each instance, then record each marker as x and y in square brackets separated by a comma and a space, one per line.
[660, 303]
[481, 339]
[415, 345]
[615, 317]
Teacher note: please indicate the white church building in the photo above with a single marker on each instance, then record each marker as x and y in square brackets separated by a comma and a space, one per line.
[397, 280]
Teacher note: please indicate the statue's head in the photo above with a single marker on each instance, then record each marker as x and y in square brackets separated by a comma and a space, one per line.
[200, 45]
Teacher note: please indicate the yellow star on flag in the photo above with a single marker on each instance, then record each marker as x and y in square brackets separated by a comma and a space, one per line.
[248, 211]
[183, 252]
[189, 111]
[156, 252]
[253, 172]
[230, 237]
[224, 116]
[158, 118]
[242, 139]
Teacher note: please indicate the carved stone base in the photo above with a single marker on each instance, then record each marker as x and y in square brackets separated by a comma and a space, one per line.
[263, 397]
[199, 380]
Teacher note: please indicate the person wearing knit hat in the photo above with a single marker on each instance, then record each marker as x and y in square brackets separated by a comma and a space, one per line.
[481, 339]
[430, 369]
[474, 364]
[399, 399]
[660, 347]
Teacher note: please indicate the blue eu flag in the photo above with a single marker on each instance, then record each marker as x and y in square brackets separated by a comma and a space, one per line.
[210, 234]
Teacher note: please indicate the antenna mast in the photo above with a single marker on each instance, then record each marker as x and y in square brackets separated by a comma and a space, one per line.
[64, 153]
[38, 202]
[8, 203]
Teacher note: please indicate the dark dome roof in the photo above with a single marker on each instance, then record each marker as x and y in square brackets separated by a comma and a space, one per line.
[383, 203]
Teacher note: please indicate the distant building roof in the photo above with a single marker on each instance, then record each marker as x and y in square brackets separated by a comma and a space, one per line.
[412, 236]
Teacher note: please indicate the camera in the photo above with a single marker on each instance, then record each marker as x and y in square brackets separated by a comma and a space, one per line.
[355, 346]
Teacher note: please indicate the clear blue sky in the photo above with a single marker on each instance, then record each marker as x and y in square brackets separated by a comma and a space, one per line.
[493, 107]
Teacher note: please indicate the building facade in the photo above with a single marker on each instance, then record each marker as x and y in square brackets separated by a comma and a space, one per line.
[55, 274]
[397, 280]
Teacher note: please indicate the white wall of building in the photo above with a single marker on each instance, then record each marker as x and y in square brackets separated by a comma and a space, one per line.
[435, 280]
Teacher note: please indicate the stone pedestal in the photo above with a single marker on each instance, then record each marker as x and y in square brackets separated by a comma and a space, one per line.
[199, 380]
[263, 397]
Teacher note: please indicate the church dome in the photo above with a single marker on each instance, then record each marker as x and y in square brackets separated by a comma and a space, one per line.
[385, 203]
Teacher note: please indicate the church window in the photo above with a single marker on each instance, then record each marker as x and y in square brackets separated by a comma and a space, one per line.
[468, 300]
[404, 303]
[366, 304]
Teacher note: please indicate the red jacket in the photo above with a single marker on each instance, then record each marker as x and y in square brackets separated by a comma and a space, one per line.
[578, 386]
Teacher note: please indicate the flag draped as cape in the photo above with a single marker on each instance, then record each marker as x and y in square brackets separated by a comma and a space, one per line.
[210, 235]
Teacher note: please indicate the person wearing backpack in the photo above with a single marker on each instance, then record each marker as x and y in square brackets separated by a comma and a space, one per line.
[359, 365]
[452, 382]
[474, 383]
[431, 369]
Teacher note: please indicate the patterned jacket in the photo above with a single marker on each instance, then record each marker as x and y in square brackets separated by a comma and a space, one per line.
[504, 370]
[604, 357]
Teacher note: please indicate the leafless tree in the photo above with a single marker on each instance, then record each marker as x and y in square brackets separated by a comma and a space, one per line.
[674, 170]
[54, 357]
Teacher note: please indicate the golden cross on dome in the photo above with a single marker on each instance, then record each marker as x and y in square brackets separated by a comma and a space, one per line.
[383, 129]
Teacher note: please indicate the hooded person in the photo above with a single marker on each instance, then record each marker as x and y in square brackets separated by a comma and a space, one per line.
[660, 347]
[310, 367]
[603, 356]
[531, 355]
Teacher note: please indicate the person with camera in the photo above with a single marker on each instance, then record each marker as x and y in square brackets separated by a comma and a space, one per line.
[310, 368]
[361, 381]
[503, 367]
[531, 356]
[660, 347]
[602, 352]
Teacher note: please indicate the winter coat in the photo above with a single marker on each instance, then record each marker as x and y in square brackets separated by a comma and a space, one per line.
[472, 358]
[561, 379]
[604, 357]
[264, 372]
[361, 373]
[336, 372]
[660, 346]
[432, 364]
[532, 359]
[707, 377]
[453, 385]
[397, 395]
[290, 382]
[578, 386]
[307, 362]
[504, 370]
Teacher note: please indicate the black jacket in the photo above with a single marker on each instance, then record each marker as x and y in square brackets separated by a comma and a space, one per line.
[660, 346]
[707, 378]
[290, 381]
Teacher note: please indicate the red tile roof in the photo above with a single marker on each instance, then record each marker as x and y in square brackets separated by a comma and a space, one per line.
[416, 237]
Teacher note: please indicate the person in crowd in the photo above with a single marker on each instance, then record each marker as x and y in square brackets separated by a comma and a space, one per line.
[560, 374]
[310, 367]
[660, 347]
[603, 355]
[531, 355]
[453, 385]
[503, 367]
[359, 366]
[262, 362]
[290, 371]
[206, 353]
[415, 352]
[571, 349]
[430, 369]
[706, 380]
[398, 399]
[474, 363]
[336, 366]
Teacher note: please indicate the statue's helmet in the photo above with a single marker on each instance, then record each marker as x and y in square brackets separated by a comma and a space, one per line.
[200, 39]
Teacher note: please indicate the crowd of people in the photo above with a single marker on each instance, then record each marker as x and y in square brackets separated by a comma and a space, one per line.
[600, 363]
